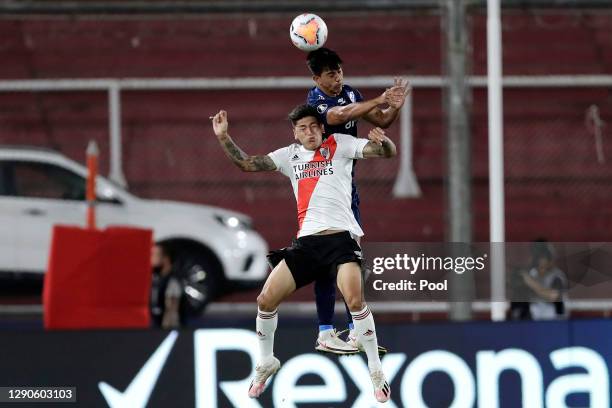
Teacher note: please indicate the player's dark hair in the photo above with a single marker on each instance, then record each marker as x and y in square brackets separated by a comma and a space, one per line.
[321, 59]
[303, 111]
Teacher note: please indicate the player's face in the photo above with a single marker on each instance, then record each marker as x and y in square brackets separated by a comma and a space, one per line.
[330, 81]
[309, 132]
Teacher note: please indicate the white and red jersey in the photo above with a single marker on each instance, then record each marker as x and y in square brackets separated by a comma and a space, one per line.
[321, 181]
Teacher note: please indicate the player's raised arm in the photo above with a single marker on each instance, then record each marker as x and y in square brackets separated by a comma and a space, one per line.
[235, 153]
[342, 114]
[394, 98]
[379, 145]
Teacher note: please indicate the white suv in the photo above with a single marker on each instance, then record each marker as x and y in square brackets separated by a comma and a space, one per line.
[215, 248]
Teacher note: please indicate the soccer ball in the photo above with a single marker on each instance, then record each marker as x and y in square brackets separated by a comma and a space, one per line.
[308, 32]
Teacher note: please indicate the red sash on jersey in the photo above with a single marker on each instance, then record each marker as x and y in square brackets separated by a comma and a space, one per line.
[306, 186]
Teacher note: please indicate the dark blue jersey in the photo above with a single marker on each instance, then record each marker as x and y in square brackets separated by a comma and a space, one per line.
[323, 103]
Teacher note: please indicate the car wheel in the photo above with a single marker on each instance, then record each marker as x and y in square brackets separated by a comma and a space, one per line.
[201, 278]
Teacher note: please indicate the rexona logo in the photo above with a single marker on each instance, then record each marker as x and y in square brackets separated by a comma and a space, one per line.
[471, 389]
[137, 394]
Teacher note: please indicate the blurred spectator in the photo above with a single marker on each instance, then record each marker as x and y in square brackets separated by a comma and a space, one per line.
[547, 284]
[166, 291]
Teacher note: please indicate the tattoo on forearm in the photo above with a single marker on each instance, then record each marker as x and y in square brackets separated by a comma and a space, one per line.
[261, 163]
[374, 149]
[384, 150]
[233, 151]
[243, 160]
[387, 148]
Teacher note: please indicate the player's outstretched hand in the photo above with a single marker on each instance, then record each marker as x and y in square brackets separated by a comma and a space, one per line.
[396, 95]
[377, 135]
[402, 83]
[220, 124]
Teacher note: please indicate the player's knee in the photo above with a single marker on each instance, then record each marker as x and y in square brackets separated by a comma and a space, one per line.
[264, 302]
[354, 303]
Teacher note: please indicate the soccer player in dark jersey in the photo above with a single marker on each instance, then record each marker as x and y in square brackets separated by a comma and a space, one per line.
[340, 107]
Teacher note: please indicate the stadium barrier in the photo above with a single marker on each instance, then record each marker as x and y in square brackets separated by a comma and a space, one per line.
[544, 364]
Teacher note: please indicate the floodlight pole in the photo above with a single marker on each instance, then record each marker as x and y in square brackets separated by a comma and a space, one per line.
[496, 161]
[114, 115]
[459, 169]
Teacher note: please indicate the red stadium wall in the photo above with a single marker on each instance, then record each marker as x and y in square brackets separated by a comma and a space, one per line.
[555, 187]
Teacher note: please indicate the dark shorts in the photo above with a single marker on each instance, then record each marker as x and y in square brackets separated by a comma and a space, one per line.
[312, 257]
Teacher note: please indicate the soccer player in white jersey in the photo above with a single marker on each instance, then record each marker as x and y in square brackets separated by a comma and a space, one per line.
[320, 173]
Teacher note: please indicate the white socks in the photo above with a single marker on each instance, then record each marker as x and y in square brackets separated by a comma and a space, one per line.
[366, 335]
[265, 327]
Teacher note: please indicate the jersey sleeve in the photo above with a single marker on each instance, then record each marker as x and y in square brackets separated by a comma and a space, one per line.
[353, 94]
[280, 157]
[349, 146]
[311, 98]
[322, 105]
[358, 97]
